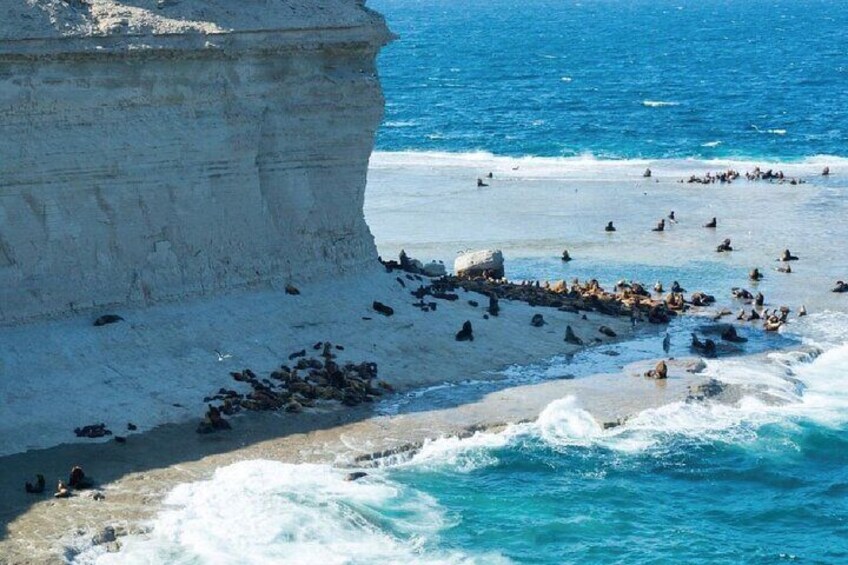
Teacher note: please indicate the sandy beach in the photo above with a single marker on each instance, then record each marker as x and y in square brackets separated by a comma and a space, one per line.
[111, 374]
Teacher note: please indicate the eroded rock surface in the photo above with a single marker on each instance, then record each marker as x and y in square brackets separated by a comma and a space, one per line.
[153, 150]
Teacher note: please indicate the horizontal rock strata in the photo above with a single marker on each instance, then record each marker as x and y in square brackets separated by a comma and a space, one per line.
[152, 150]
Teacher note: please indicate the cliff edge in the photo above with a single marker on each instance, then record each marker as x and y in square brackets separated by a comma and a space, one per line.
[152, 150]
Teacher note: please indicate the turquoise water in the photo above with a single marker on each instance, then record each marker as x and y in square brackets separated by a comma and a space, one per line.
[617, 79]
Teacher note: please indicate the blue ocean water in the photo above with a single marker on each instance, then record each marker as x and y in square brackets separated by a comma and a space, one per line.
[617, 79]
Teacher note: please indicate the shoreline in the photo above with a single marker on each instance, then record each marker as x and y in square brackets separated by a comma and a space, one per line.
[140, 473]
[156, 366]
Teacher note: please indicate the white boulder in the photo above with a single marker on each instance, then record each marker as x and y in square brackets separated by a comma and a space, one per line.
[478, 263]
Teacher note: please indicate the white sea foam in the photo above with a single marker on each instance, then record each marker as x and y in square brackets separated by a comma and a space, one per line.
[271, 512]
[659, 103]
[590, 167]
[711, 143]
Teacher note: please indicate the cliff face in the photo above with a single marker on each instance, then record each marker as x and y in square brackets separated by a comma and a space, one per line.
[150, 151]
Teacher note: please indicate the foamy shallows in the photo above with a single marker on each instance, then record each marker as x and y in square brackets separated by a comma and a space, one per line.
[762, 478]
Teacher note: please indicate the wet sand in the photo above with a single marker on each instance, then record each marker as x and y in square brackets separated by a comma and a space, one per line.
[135, 476]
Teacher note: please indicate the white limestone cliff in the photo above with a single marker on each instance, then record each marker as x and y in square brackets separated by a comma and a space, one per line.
[153, 150]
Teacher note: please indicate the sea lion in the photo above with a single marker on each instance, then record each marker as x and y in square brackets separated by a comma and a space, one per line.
[840, 287]
[62, 491]
[292, 290]
[466, 333]
[711, 224]
[729, 334]
[77, 479]
[490, 175]
[671, 217]
[772, 324]
[107, 319]
[382, 308]
[609, 227]
[666, 343]
[647, 174]
[659, 372]
[724, 246]
[480, 183]
[36, 488]
[707, 347]
[786, 269]
[660, 226]
[537, 321]
[802, 311]
[607, 331]
[356, 475]
[494, 306]
[565, 256]
[787, 256]
[759, 299]
[675, 287]
[755, 275]
[658, 287]
[826, 171]
[570, 336]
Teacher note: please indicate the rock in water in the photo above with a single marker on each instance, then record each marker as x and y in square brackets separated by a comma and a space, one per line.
[382, 308]
[607, 331]
[356, 475]
[570, 337]
[466, 333]
[487, 263]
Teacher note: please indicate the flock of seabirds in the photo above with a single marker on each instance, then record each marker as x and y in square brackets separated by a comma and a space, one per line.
[674, 301]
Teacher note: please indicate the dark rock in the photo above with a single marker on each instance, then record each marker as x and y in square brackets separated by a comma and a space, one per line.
[107, 319]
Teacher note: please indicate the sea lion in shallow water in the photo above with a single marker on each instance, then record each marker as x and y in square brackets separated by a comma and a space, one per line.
[755, 275]
[565, 256]
[36, 488]
[711, 224]
[660, 226]
[840, 287]
[787, 256]
[724, 246]
[466, 333]
[659, 372]
[609, 227]
[570, 336]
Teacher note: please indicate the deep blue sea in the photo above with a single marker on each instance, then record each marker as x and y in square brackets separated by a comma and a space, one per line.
[617, 78]
[761, 480]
